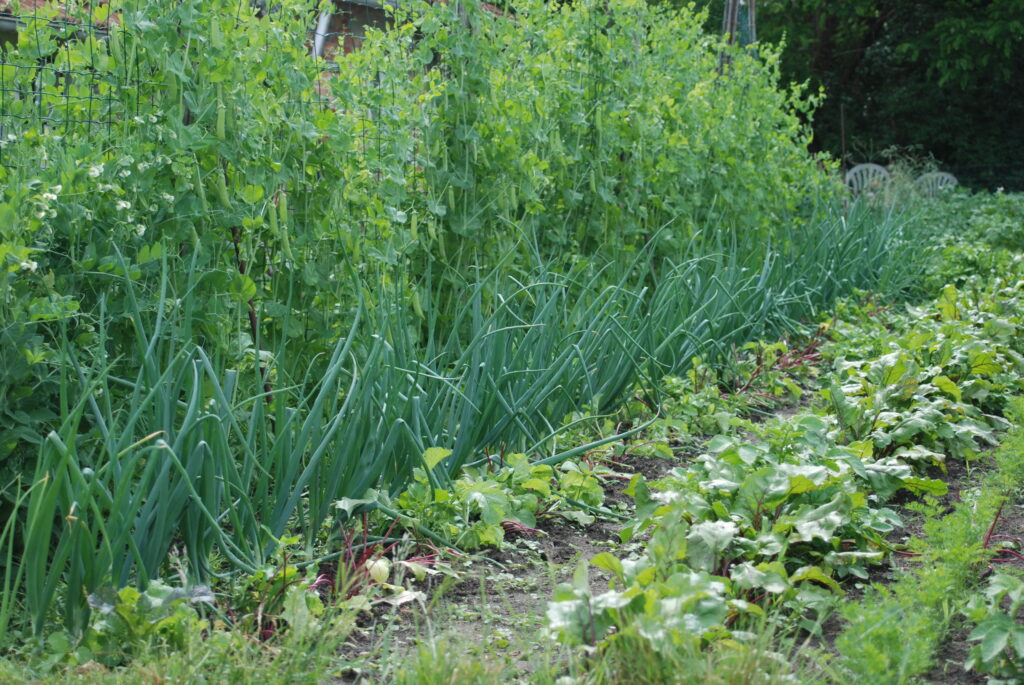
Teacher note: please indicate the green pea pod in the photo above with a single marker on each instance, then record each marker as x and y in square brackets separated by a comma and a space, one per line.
[221, 115]
[416, 306]
[229, 110]
[282, 207]
[286, 242]
[197, 188]
[117, 49]
[216, 38]
[220, 185]
[275, 228]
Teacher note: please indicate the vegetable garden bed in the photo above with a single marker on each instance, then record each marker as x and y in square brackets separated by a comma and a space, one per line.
[523, 334]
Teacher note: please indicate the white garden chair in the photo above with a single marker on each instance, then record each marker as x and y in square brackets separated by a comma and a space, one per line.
[867, 178]
[934, 182]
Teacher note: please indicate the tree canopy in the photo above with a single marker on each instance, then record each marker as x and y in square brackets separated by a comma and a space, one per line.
[943, 78]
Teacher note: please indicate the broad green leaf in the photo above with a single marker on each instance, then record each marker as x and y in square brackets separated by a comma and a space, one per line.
[706, 541]
[349, 505]
[433, 456]
[610, 600]
[822, 522]
[983, 364]
[995, 641]
[947, 304]
[242, 288]
[488, 497]
[608, 562]
[578, 516]
[541, 486]
[298, 611]
[813, 573]
[947, 386]
[581, 577]
[252, 194]
[929, 486]
[150, 253]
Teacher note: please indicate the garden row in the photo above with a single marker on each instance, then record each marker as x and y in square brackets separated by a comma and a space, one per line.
[779, 552]
[744, 548]
[763, 533]
[258, 291]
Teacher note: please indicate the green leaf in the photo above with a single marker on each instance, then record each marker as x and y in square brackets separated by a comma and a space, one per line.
[813, 573]
[929, 486]
[434, 455]
[983, 364]
[608, 562]
[488, 497]
[349, 505]
[581, 577]
[771, 577]
[947, 304]
[706, 541]
[994, 642]
[253, 194]
[576, 516]
[242, 288]
[541, 486]
[822, 522]
[947, 386]
[149, 253]
[298, 611]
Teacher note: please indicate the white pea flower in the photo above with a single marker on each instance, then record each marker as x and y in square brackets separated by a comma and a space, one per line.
[140, 230]
[123, 204]
[152, 208]
[49, 197]
[28, 265]
[95, 170]
[168, 198]
[124, 173]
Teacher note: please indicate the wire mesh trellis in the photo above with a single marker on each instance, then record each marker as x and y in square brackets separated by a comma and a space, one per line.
[342, 29]
[46, 86]
[422, 151]
[60, 74]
